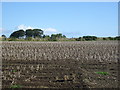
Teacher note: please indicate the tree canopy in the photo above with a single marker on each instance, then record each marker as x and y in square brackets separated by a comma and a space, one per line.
[28, 33]
[37, 33]
[17, 34]
[89, 38]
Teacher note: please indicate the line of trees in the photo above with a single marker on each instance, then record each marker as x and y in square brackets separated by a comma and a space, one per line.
[93, 38]
[20, 34]
[34, 34]
[38, 34]
[86, 38]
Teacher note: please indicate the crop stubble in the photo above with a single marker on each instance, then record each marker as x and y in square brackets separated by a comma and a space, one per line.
[59, 64]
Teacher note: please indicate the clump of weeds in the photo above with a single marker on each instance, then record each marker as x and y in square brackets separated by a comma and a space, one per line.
[15, 86]
[103, 73]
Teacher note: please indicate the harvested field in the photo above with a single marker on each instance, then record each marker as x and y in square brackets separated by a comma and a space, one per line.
[84, 64]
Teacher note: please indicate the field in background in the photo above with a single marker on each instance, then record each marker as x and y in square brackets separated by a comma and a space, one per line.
[82, 64]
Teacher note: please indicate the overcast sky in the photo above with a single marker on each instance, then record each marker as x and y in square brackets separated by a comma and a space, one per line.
[73, 19]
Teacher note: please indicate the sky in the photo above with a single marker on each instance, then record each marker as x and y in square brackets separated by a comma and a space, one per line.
[73, 19]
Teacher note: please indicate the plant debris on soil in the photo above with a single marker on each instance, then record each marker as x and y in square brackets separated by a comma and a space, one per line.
[81, 64]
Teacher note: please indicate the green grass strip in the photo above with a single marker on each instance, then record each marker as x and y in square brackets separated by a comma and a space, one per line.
[103, 73]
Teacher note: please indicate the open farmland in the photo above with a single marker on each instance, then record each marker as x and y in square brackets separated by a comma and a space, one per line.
[83, 64]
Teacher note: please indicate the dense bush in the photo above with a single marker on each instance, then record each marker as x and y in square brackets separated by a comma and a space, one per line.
[89, 38]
